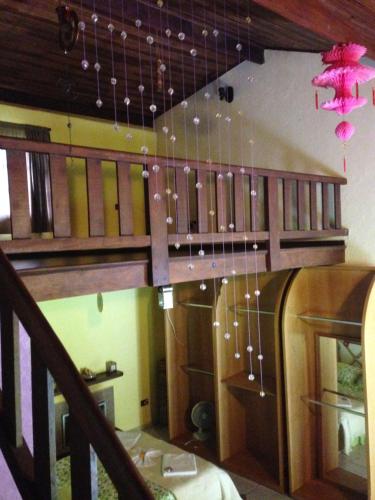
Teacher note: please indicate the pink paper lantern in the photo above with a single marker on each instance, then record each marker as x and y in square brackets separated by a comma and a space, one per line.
[344, 131]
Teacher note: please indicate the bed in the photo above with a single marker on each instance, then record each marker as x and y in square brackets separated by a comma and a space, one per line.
[210, 482]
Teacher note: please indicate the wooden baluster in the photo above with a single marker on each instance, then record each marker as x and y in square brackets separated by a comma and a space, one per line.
[202, 202]
[125, 201]
[10, 372]
[313, 207]
[158, 228]
[83, 464]
[254, 202]
[337, 206]
[272, 207]
[18, 194]
[43, 428]
[325, 196]
[60, 197]
[221, 203]
[301, 205]
[288, 221]
[239, 207]
[182, 212]
[95, 197]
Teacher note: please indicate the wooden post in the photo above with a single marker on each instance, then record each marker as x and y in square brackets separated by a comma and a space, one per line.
[95, 197]
[60, 197]
[181, 210]
[43, 428]
[337, 206]
[288, 222]
[18, 194]
[202, 202]
[271, 204]
[158, 228]
[301, 205]
[239, 207]
[313, 207]
[125, 201]
[83, 464]
[10, 368]
[325, 196]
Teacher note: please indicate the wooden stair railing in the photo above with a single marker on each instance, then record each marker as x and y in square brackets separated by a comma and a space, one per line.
[90, 434]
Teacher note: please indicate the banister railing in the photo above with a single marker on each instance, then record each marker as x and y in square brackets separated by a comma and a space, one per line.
[205, 203]
[90, 431]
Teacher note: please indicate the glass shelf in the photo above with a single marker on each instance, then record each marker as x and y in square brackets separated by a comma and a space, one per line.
[337, 406]
[188, 303]
[240, 381]
[328, 319]
[241, 308]
[196, 369]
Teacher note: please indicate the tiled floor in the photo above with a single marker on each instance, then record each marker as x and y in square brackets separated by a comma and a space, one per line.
[253, 491]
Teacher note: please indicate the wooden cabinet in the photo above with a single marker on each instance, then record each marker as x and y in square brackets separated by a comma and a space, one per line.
[328, 310]
[248, 438]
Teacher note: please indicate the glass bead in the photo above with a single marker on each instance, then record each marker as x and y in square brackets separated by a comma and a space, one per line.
[99, 103]
[245, 238]
[113, 81]
[207, 95]
[228, 119]
[203, 286]
[257, 293]
[181, 36]
[157, 197]
[144, 150]
[253, 192]
[152, 108]
[237, 355]
[218, 115]
[124, 35]
[145, 174]
[224, 281]
[168, 191]
[262, 394]
[249, 348]
[138, 23]
[160, 3]
[169, 220]
[165, 130]
[255, 246]
[201, 253]
[116, 127]
[209, 161]
[260, 357]
[170, 91]
[168, 32]
[250, 79]
[141, 88]
[234, 272]
[213, 265]
[173, 138]
[251, 141]
[239, 47]
[150, 39]
[235, 324]
[84, 64]
[162, 67]
[184, 104]
[215, 33]
[129, 136]
[186, 169]
[97, 67]
[231, 225]
[81, 26]
[199, 185]
[222, 228]
[242, 170]
[227, 335]
[204, 32]
[177, 245]
[216, 324]
[247, 296]
[155, 168]
[175, 196]
[230, 174]
[248, 19]
[190, 266]
[220, 177]
[189, 237]
[193, 52]
[251, 377]
[94, 17]
[212, 212]
[111, 28]
[196, 120]
[127, 101]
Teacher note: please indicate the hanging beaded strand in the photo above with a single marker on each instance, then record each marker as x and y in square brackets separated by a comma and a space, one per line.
[111, 29]
[127, 101]
[97, 66]
[82, 27]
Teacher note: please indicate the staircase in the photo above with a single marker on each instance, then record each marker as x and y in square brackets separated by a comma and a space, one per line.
[91, 436]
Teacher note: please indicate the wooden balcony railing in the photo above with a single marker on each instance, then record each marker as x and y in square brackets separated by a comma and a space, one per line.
[214, 204]
[90, 433]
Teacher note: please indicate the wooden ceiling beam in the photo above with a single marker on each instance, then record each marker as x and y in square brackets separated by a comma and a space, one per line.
[336, 20]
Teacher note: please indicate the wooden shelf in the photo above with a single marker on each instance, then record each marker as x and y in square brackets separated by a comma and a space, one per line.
[99, 378]
[193, 303]
[242, 308]
[326, 318]
[241, 381]
[337, 406]
[196, 369]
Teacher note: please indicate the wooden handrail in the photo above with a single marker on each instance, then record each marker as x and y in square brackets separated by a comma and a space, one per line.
[98, 432]
[119, 156]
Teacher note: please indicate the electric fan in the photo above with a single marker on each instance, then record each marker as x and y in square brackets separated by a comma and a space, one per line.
[203, 417]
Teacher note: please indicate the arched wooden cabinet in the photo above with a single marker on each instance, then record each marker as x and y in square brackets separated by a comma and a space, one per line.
[313, 435]
[328, 329]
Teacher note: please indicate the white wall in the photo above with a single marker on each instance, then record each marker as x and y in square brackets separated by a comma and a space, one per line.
[278, 112]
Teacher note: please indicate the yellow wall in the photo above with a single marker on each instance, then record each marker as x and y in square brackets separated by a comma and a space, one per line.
[125, 330]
